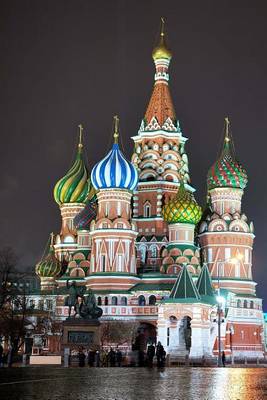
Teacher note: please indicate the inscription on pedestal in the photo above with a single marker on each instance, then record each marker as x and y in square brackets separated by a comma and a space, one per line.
[79, 337]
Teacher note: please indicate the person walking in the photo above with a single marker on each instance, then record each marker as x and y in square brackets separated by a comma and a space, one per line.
[111, 357]
[223, 358]
[97, 358]
[118, 356]
[81, 357]
[1, 355]
[150, 355]
[160, 354]
[91, 358]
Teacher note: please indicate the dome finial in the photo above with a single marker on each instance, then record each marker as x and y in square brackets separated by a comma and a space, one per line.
[161, 51]
[227, 125]
[51, 239]
[162, 26]
[116, 128]
[80, 145]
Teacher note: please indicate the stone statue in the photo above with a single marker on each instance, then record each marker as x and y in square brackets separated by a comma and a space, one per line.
[88, 308]
[85, 306]
[73, 298]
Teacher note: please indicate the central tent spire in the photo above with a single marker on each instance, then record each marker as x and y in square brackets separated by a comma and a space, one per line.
[160, 113]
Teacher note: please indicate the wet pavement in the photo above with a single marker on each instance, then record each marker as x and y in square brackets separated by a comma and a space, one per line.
[54, 383]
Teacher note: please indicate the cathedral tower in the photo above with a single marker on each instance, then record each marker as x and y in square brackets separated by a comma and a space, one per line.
[161, 161]
[71, 193]
[113, 261]
[226, 236]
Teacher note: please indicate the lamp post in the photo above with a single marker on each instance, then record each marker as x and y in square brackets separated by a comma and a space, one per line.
[220, 301]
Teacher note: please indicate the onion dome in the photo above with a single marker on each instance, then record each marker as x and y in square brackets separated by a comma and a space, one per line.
[161, 50]
[114, 171]
[183, 208]
[227, 172]
[49, 266]
[75, 186]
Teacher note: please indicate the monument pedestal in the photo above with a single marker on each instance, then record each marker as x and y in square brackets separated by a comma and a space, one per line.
[80, 332]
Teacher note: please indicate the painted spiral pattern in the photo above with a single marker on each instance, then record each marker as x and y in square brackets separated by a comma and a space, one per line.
[114, 172]
[75, 186]
[48, 267]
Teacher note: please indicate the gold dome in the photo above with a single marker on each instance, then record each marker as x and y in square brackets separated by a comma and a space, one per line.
[161, 50]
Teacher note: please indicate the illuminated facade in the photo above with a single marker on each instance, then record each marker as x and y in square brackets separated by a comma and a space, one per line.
[134, 234]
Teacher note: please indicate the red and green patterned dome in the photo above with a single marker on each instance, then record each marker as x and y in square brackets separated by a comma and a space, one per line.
[227, 172]
[183, 208]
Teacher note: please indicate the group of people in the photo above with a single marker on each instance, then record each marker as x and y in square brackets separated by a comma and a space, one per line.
[147, 359]
[113, 358]
[6, 357]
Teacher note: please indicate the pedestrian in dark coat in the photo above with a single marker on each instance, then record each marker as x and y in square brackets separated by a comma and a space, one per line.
[118, 356]
[150, 355]
[160, 354]
[111, 357]
[81, 357]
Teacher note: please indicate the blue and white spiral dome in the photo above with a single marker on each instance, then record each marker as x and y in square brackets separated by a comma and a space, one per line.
[114, 172]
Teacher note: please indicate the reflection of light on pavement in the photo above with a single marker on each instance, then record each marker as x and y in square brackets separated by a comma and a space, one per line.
[241, 383]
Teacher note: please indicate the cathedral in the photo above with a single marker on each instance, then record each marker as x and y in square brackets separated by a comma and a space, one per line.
[133, 233]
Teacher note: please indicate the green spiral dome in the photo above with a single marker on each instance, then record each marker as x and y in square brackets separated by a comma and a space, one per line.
[75, 186]
[182, 208]
[49, 266]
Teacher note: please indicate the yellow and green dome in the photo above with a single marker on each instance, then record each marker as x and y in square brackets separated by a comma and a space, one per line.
[49, 266]
[75, 186]
[183, 208]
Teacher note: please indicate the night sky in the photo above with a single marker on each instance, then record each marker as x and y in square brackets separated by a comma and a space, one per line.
[70, 62]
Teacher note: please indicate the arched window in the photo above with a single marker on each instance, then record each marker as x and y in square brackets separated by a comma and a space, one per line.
[141, 300]
[114, 300]
[245, 304]
[99, 301]
[238, 303]
[143, 254]
[251, 304]
[152, 300]
[147, 210]
[124, 301]
[106, 301]
[154, 251]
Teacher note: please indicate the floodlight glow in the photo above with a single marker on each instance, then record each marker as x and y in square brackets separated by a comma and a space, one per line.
[220, 300]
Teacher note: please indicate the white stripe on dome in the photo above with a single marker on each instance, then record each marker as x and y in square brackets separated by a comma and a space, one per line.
[107, 178]
[117, 170]
[128, 175]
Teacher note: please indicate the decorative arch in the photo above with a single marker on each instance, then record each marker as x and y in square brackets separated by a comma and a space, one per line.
[218, 225]
[175, 252]
[78, 256]
[152, 300]
[77, 273]
[141, 300]
[238, 226]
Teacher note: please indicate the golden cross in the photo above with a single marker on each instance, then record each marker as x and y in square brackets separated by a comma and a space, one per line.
[116, 128]
[227, 124]
[80, 135]
[162, 26]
